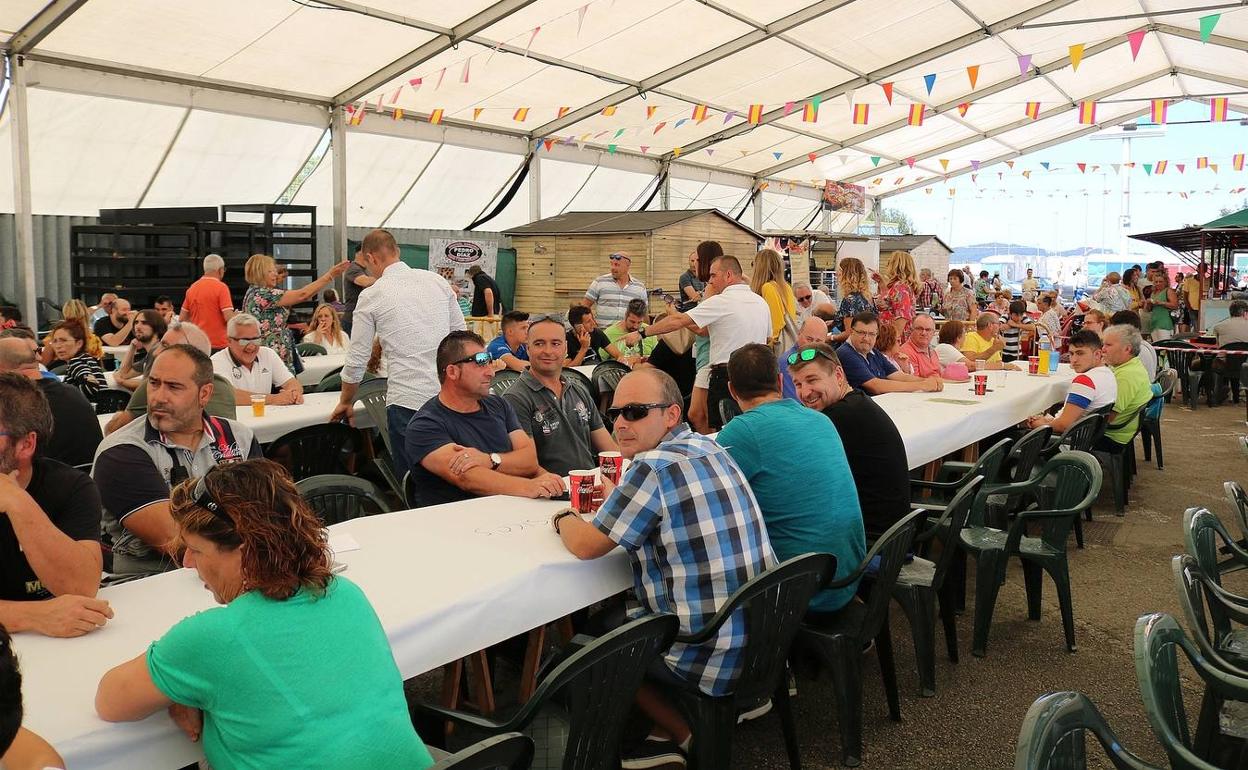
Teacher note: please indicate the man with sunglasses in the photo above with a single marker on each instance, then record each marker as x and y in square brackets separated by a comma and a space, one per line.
[809, 300]
[466, 442]
[694, 534]
[869, 369]
[612, 291]
[873, 445]
[554, 409]
[250, 367]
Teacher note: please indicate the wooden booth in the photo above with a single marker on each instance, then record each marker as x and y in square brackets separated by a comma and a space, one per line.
[558, 257]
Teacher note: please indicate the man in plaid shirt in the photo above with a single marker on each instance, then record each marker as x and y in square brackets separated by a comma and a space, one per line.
[694, 534]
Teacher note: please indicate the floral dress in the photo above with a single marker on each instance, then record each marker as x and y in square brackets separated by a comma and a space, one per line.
[958, 304]
[851, 306]
[262, 303]
[900, 304]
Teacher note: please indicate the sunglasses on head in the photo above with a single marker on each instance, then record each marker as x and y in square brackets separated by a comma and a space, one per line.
[808, 354]
[634, 412]
[615, 257]
[482, 358]
[204, 499]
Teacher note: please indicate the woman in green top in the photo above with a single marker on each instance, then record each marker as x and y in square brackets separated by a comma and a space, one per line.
[1159, 304]
[295, 670]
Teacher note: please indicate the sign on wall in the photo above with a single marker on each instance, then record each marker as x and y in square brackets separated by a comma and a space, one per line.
[451, 258]
[844, 197]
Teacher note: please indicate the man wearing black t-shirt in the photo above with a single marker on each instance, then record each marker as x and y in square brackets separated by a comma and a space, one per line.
[50, 557]
[487, 298]
[586, 339]
[873, 446]
[75, 428]
[116, 328]
[465, 442]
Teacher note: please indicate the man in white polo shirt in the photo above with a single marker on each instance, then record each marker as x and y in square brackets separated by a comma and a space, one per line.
[733, 316]
[252, 368]
[613, 291]
[1093, 388]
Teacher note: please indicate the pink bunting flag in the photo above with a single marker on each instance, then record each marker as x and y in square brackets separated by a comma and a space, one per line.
[1024, 64]
[463, 75]
[789, 107]
[645, 149]
[1136, 39]
[532, 37]
[415, 83]
[910, 162]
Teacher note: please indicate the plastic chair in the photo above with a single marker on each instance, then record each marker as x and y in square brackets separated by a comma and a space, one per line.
[509, 751]
[921, 582]
[1182, 364]
[314, 450]
[596, 685]
[1204, 538]
[770, 608]
[1079, 437]
[372, 393]
[1198, 591]
[840, 643]
[606, 376]
[728, 409]
[1121, 463]
[1220, 374]
[1052, 736]
[306, 349]
[1243, 383]
[330, 383]
[336, 497]
[503, 380]
[1019, 465]
[583, 381]
[409, 491]
[1239, 505]
[1150, 426]
[954, 475]
[109, 400]
[1076, 480]
[1158, 638]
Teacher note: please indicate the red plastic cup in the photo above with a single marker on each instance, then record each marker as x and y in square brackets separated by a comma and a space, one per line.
[1033, 365]
[981, 384]
[612, 466]
[582, 485]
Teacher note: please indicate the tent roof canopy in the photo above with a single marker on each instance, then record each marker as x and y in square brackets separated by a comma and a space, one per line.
[604, 222]
[1234, 219]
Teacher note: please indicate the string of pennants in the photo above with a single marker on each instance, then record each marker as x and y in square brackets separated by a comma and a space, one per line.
[1003, 192]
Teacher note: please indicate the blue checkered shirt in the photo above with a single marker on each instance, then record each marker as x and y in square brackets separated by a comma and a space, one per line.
[694, 534]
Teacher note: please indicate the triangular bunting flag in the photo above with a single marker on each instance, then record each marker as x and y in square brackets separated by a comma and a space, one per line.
[548, 143]
[1087, 112]
[1202, 162]
[415, 83]
[875, 160]
[659, 127]
[699, 113]
[563, 111]
[788, 107]
[1115, 167]
[1045, 165]
[810, 113]
[441, 74]
[916, 114]
[1136, 39]
[532, 37]
[611, 148]
[645, 149]
[743, 152]
[888, 91]
[435, 117]
[1160, 168]
[974, 165]
[1027, 174]
[811, 157]
[1032, 110]
[463, 75]
[1180, 167]
[1083, 167]
[910, 162]
[729, 115]
[963, 108]
[681, 122]
[777, 155]
[974, 178]
[709, 152]
[1024, 64]
[650, 112]
[676, 152]
[1213, 167]
[1217, 109]
[619, 133]
[944, 164]
[929, 81]
[1148, 169]
[1237, 161]
[476, 112]
[1076, 56]
[398, 113]
[580, 21]
[608, 111]
[1207, 23]
[972, 74]
[521, 115]
[755, 115]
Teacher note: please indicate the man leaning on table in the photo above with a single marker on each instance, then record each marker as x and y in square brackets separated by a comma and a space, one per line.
[1135, 388]
[50, 557]
[870, 370]
[251, 368]
[693, 533]
[555, 410]
[137, 465]
[466, 442]
[1093, 387]
[410, 312]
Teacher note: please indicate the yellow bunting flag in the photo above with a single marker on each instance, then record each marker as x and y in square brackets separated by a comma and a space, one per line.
[675, 152]
[608, 111]
[1237, 161]
[521, 115]
[944, 164]
[1160, 168]
[916, 114]
[398, 113]
[1158, 112]
[1033, 110]
[699, 113]
[435, 117]
[963, 108]
[1202, 162]
[756, 114]
[1076, 56]
[862, 114]
[650, 111]
[1087, 112]
[476, 112]
[1217, 109]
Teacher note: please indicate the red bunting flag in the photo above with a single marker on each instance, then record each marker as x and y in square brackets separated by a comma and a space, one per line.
[789, 107]
[699, 113]
[563, 111]
[862, 114]
[756, 114]
[963, 108]
[1083, 167]
[811, 157]
[415, 83]
[972, 74]
[1033, 110]
[521, 115]
[916, 114]
[650, 112]
[435, 117]
[910, 162]
[548, 143]
[1136, 39]
[888, 91]
[1180, 167]
[659, 127]
[1237, 161]
[608, 111]
[1087, 112]
[1217, 109]
[1159, 109]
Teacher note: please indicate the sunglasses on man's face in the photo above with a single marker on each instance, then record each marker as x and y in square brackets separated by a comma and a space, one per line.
[633, 412]
[482, 358]
[807, 298]
[245, 341]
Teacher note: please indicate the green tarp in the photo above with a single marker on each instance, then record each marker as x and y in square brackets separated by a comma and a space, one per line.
[418, 256]
[1237, 219]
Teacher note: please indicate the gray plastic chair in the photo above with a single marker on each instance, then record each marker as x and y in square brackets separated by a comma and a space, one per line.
[337, 497]
[1052, 736]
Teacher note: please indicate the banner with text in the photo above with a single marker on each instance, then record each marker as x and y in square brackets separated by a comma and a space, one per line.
[451, 258]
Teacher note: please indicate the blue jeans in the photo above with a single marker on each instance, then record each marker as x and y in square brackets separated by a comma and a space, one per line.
[397, 418]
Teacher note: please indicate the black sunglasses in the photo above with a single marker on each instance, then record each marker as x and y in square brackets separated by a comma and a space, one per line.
[482, 358]
[634, 412]
[204, 499]
[809, 354]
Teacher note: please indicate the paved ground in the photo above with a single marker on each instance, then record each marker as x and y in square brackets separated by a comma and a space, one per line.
[973, 720]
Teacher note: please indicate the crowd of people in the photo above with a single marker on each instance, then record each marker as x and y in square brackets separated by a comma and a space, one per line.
[178, 481]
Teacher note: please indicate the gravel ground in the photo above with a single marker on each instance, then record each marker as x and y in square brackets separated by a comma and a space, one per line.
[973, 720]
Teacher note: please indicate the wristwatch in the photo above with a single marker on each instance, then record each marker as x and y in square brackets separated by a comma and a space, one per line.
[495, 461]
[642, 332]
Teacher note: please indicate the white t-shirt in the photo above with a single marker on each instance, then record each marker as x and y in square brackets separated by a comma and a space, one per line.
[948, 354]
[1095, 388]
[1148, 357]
[266, 372]
[817, 298]
[735, 317]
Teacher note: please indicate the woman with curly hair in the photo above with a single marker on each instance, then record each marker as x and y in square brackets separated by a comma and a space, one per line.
[854, 287]
[901, 285]
[295, 670]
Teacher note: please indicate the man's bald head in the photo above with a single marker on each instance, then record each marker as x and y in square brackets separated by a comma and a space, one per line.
[16, 356]
[813, 331]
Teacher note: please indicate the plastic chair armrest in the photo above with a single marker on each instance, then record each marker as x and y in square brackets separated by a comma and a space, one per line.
[460, 717]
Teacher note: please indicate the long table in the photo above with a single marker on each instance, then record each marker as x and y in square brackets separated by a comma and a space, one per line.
[316, 367]
[280, 420]
[521, 577]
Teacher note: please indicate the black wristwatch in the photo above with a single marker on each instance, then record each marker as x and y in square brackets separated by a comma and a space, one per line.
[555, 521]
[642, 332]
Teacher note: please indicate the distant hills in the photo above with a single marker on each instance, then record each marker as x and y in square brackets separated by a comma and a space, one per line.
[978, 252]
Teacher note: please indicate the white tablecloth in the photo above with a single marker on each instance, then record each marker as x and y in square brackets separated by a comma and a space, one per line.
[588, 370]
[280, 420]
[316, 367]
[445, 582]
[116, 351]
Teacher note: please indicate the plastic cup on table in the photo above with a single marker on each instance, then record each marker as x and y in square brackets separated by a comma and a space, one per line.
[611, 465]
[1033, 364]
[981, 383]
[582, 485]
[257, 405]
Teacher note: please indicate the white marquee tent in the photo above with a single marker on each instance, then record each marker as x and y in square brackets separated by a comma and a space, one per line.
[443, 108]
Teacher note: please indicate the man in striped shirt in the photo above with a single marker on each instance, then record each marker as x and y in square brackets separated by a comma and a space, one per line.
[613, 291]
[1094, 386]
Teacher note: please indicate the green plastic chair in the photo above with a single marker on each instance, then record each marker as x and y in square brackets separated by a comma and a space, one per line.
[1205, 538]
[372, 393]
[1019, 466]
[509, 751]
[920, 583]
[306, 349]
[1076, 481]
[1158, 638]
[503, 381]
[1238, 499]
[1197, 590]
[330, 383]
[337, 497]
[1052, 736]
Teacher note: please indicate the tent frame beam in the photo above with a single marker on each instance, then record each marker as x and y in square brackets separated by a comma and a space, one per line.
[23, 216]
[42, 24]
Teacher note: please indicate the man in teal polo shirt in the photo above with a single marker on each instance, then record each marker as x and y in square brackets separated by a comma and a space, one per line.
[796, 466]
[1121, 346]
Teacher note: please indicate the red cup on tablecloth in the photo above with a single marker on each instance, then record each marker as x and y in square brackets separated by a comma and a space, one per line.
[1033, 365]
[612, 466]
[581, 489]
[981, 384]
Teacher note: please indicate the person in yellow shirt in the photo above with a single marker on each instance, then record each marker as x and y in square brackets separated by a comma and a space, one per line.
[986, 342]
[1193, 288]
[767, 281]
